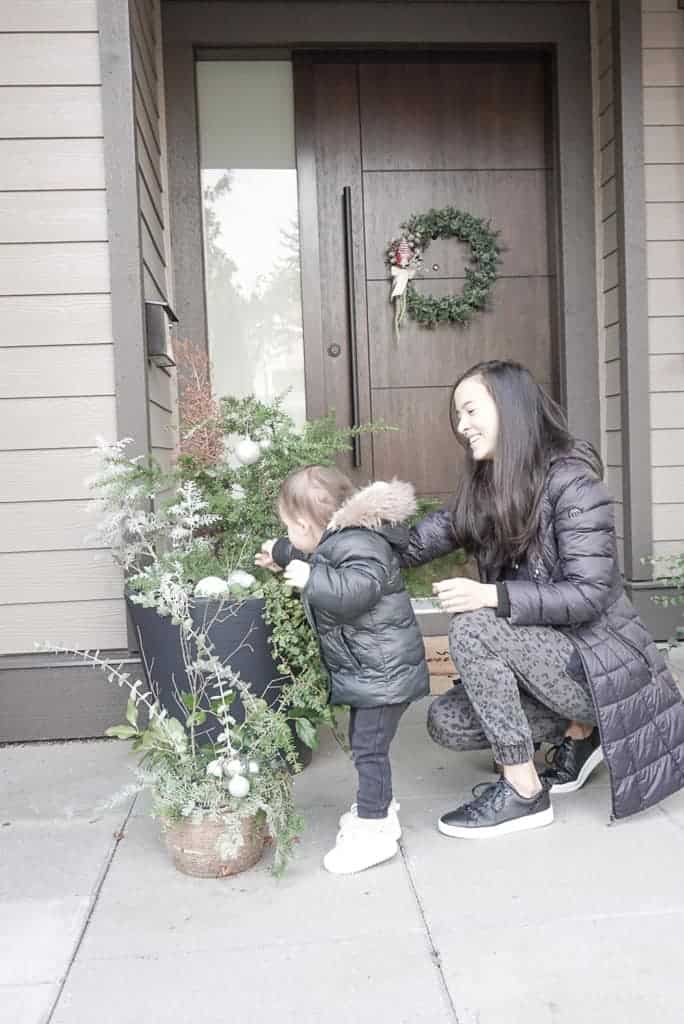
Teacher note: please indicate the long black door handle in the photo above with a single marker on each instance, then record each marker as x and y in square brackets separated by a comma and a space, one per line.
[351, 320]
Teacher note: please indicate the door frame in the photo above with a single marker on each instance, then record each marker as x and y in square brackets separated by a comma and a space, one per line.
[561, 30]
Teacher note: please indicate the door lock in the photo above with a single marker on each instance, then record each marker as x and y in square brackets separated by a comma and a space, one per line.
[334, 350]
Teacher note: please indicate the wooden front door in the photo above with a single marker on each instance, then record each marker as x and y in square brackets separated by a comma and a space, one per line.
[378, 140]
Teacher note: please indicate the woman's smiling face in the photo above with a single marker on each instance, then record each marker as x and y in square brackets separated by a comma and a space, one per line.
[477, 417]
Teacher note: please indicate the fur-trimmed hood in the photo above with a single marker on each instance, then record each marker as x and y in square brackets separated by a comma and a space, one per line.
[382, 507]
[377, 505]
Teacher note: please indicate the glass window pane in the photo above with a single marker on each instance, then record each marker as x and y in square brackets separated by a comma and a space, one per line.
[251, 233]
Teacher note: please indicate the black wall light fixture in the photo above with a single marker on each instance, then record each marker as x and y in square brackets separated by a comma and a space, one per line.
[159, 320]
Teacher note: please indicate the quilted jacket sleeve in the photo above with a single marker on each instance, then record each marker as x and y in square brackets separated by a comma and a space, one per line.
[285, 552]
[585, 541]
[431, 538]
[352, 581]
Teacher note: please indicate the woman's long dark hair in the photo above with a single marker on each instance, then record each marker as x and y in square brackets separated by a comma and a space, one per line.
[496, 513]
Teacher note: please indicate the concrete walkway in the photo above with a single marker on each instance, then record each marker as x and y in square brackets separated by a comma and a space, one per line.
[582, 921]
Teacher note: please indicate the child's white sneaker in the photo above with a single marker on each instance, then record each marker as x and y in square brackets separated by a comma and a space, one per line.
[392, 819]
[361, 844]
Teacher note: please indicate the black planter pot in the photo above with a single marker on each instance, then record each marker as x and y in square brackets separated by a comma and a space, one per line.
[240, 637]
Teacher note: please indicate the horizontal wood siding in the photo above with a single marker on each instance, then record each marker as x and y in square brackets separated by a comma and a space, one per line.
[56, 353]
[663, 78]
[609, 283]
[152, 191]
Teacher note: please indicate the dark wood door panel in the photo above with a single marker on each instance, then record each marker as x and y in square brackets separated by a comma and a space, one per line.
[398, 134]
[516, 327]
[423, 450]
[514, 202]
[338, 164]
[452, 115]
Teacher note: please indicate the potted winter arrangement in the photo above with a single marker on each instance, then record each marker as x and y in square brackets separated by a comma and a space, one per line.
[220, 793]
[232, 690]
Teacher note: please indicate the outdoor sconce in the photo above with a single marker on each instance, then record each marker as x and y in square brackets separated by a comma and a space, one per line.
[159, 319]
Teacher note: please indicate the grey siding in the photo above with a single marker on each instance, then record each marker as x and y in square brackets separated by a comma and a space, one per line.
[56, 353]
[153, 206]
[663, 79]
[609, 275]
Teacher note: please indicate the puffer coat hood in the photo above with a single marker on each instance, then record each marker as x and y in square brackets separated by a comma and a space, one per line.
[357, 604]
[571, 580]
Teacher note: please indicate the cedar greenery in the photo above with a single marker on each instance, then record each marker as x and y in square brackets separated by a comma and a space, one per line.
[449, 222]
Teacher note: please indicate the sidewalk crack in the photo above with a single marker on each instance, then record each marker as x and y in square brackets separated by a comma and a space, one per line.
[435, 954]
[118, 836]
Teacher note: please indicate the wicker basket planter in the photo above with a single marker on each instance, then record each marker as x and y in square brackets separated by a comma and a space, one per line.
[196, 846]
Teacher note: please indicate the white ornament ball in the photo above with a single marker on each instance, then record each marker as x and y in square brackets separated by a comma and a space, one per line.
[211, 586]
[238, 786]
[265, 444]
[253, 768]
[247, 452]
[241, 578]
[234, 767]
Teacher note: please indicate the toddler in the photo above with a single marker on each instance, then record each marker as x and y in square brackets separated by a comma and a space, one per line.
[342, 553]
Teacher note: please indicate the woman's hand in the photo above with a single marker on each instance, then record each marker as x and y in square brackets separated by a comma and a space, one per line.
[463, 595]
[264, 560]
[297, 574]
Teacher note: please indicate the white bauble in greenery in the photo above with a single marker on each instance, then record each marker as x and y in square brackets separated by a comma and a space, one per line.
[247, 452]
[240, 578]
[253, 767]
[238, 786]
[211, 586]
[234, 767]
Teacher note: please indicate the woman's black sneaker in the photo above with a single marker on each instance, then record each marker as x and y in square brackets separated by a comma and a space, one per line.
[571, 763]
[498, 811]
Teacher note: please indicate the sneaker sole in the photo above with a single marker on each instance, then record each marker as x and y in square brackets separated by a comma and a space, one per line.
[592, 762]
[539, 820]
[363, 867]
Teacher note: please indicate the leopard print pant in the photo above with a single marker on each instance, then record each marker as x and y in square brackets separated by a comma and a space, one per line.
[515, 688]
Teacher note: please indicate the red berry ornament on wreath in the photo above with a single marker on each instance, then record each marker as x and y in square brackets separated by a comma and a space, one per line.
[405, 258]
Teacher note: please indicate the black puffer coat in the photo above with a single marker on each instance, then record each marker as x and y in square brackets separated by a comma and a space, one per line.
[572, 582]
[357, 604]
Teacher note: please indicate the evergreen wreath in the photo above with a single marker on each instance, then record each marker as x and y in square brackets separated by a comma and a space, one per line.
[405, 258]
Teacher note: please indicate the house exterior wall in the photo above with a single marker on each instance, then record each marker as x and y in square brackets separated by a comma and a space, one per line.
[663, 104]
[57, 353]
[150, 143]
[608, 265]
[57, 381]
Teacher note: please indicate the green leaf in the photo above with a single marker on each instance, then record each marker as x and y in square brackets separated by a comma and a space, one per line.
[132, 713]
[121, 732]
[188, 700]
[298, 713]
[196, 718]
[306, 733]
[175, 730]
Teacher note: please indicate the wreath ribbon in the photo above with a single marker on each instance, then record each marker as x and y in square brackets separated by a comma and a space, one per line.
[400, 280]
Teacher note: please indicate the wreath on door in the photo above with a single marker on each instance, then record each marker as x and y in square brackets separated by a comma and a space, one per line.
[405, 257]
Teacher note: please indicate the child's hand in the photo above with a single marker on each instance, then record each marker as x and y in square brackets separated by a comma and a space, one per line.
[264, 560]
[297, 574]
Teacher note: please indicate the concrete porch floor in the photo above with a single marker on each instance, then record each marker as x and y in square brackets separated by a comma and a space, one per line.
[579, 921]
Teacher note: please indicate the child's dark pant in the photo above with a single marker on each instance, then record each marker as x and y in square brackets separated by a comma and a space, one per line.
[371, 731]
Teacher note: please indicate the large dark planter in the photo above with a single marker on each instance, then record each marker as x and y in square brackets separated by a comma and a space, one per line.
[240, 637]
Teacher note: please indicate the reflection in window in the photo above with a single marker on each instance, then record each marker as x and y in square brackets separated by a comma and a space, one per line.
[251, 236]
